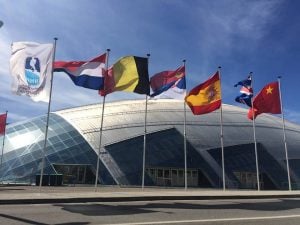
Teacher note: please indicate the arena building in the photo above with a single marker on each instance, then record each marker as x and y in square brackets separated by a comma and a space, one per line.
[73, 145]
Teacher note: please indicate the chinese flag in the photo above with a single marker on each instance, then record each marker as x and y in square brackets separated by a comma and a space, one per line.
[266, 101]
[2, 123]
[205, 97]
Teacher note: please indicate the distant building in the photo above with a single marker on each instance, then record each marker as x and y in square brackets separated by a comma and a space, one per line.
[73, 144]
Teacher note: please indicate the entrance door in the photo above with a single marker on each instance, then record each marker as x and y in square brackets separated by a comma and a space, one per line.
[75, 173]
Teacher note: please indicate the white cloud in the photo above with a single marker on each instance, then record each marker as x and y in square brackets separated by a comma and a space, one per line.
[206, 32]
[223, 24]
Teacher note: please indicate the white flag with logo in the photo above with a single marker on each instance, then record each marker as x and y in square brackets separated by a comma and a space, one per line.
[31, 69]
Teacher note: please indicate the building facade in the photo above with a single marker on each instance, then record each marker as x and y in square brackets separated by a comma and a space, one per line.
[74, 136]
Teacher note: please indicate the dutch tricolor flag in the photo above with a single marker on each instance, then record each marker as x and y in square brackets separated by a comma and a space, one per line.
[88, 74]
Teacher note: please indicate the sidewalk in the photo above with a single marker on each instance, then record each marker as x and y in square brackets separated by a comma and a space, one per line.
[66, 194]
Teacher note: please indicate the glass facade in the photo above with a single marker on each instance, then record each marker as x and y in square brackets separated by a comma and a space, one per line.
[23, 151]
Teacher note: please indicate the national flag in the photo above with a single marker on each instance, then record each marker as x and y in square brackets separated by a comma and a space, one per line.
[246, 92]
[205, 97]
[3, 123]
[87, 74]
[266, 101]
[130, 74]
[169, 84]
[31, 69]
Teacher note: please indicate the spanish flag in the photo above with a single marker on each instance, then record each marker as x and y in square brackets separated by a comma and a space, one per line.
[205, 97]
[130, 74]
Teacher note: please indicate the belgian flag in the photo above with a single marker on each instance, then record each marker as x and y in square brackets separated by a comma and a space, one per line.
[130, 73]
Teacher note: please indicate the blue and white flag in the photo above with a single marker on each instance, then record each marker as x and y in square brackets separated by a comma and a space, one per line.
[246, 92]
[87, 74]
[31, 69]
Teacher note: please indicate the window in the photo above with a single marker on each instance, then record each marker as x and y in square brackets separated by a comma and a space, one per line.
[167, 173]
[159, 173]
[180, 173]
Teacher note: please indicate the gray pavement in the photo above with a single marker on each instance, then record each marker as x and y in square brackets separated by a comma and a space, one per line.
[220, 212]
[79, 194]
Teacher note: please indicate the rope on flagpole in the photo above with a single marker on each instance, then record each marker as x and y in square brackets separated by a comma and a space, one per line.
[48, 115]
[145, 139]
[284, 136]
[184, 139]
[101, 129]
[254, 137]
[221, 136]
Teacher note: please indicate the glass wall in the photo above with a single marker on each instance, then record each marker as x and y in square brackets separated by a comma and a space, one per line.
[23, 150]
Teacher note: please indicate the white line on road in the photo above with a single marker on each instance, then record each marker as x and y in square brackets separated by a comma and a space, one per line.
[211, 220]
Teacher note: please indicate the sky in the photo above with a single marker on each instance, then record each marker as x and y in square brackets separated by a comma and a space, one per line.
[241, 36]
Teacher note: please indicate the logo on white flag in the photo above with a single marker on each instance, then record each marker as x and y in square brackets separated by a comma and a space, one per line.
[32, 72]
[31, 68]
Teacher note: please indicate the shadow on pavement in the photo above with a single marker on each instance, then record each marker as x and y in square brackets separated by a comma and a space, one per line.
[106, 210]
[122, 209]
[12, 189]
[27, 221]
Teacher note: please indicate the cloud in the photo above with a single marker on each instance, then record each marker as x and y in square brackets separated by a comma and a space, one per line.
[206, 33]
[225, 21]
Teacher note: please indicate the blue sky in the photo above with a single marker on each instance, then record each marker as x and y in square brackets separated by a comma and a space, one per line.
[239, 35]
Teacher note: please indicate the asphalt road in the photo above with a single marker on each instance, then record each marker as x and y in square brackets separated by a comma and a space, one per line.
[229, 212]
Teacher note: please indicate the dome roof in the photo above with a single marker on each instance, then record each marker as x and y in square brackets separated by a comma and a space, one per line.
[74, 137]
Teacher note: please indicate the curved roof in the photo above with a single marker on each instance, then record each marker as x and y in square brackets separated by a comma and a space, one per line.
[124, 120]
[122, 142]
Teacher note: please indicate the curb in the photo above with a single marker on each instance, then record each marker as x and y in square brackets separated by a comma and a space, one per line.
[138, 198]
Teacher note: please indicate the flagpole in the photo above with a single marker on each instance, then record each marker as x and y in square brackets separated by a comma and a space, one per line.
[145, 134]
[254, 137]
[221, 138]
[3, 141]
[47, 122]
[101, 127]
[284, 136]
[184, 140]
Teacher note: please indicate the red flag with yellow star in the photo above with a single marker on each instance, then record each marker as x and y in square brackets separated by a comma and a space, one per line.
[266, 101]
[205, 97]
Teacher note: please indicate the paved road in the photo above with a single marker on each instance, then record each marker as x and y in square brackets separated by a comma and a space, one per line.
[220, 212]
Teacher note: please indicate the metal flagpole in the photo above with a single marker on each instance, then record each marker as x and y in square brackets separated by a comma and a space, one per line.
[254, 137]
[145, 133]
[284, 136]
[47, 122]
[221, 137]
[101, 128]
[184, 140]
[3, 146]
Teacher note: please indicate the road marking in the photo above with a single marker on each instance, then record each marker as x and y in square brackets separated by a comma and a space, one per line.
[211, 220]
